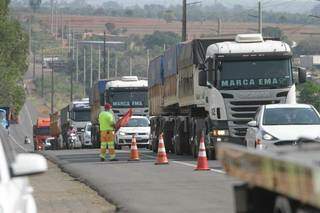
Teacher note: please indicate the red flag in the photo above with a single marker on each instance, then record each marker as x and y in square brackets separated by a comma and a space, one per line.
[124, 120]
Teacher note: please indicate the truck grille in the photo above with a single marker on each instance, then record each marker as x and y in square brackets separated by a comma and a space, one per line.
[241, 112]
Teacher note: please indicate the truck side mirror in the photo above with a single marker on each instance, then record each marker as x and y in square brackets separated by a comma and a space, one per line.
[302, 74]
[203, 78]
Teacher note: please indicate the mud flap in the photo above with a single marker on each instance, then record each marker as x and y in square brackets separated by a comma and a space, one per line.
[241, 195]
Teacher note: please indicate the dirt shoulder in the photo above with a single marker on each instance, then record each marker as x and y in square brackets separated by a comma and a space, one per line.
[56, 191]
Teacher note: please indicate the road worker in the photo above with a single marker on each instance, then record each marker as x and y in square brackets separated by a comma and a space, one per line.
[107, 127]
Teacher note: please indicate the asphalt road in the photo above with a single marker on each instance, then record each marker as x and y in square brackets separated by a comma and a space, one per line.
[139, 186]
[145, 187]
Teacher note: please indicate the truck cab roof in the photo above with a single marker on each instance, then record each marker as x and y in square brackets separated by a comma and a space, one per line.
[247, 43]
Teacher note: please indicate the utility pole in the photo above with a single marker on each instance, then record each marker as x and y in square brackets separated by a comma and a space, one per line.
[116, 66]
[72, 44]
[104, 54]
[30, 34]
[148, 61]
[62, 31]
[51, 28]
[77, 63]
[57, 20]
[69, 36]
[71, 83]
[260, 17]
[52, 84]
[84, 72]
[99, 63]
[34, 65]
[184, 20]
[42, 76]
[108, 63]
[219, 26]
[91, 69]
[130, 65]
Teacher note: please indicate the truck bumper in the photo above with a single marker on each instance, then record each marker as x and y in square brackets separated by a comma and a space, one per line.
[224, 139]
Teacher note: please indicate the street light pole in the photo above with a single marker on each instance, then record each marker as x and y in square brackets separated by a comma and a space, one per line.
[42, 76]
[184, 20]
[104, 54]
[84, 71]
[52, 84]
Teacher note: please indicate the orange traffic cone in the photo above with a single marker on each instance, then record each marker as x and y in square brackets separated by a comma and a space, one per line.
[134, 155]
[162, 155]
[202, 156]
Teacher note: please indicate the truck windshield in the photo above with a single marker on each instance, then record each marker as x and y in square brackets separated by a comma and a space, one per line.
[43, 131]
[255, 74]
[81, 115]
[128, 98]
[290, 116]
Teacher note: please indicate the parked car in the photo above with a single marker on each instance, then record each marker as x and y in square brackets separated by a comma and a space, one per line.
[15, 190]
[282, 124]
[138, 125]
[86, 135]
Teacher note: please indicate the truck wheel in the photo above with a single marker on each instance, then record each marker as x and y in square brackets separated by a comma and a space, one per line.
[194, 148]
[155, 145]
[211, 154]
[282, 205]
[177, 145]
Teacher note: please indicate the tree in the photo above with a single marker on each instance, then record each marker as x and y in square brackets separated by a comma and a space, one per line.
[159, 39]
[34, 4]
[310, 94]
[13, 60]
[110, 27]
[169, 16]
[309, 46]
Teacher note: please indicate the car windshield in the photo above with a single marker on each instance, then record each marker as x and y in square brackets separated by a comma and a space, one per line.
[255, 74]
[290, 116]
[88, 128]
[138, 122]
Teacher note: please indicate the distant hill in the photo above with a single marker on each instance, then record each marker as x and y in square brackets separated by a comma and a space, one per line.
[291, 6]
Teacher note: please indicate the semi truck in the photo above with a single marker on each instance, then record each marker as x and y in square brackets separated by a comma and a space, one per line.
[122, 93]
[214, 86]
[76, 114]
[41, 131]
[282, 180]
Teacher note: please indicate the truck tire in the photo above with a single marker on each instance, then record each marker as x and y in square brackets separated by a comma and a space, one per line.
[211, 154]
[155, 145]
[194, 147]
[178, 145]
[282, 205]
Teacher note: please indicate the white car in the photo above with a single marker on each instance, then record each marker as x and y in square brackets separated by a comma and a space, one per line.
[15, 190]
[282, 124]
[138, 125]
[86, 136]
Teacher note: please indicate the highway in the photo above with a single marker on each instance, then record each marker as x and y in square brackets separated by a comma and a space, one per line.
[139, 186]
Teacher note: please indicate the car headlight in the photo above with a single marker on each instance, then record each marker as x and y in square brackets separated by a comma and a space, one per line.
[267, 136]
[219, 133]
[122, 133]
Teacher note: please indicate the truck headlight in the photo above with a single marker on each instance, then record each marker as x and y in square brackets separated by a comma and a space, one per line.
[122, 133]
[219, 133]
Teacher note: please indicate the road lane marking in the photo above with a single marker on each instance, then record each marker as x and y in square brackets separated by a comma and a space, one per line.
[28, 113]
[14, 140]
[186, 164]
